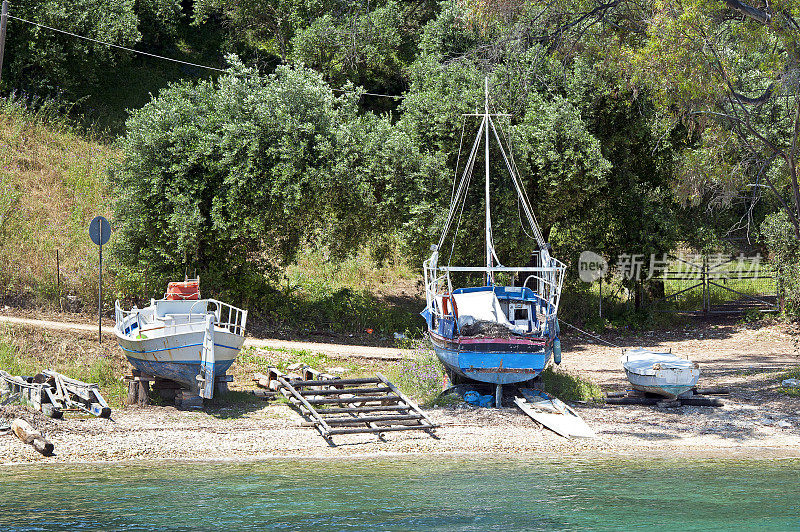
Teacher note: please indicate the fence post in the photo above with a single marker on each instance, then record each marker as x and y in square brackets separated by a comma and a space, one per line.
[3, 25]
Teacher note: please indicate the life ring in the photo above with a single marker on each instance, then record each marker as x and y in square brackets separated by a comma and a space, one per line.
[448, 301]
[455, 307]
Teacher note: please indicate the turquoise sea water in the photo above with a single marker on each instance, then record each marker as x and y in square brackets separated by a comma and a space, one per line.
[439, 494]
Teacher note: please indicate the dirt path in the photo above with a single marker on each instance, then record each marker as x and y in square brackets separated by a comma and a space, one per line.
[333, 350]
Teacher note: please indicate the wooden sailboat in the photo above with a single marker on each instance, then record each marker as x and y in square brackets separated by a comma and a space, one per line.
[494, 333]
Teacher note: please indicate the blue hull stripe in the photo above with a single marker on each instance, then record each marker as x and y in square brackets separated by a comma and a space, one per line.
[174, 348]
[182, 372]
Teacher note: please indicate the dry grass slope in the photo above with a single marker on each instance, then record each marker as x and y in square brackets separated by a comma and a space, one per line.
[52, 183]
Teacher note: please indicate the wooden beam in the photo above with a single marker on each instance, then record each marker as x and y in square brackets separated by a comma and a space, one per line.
[31, 436]
[407, 400]
[364, 409]
[334, 391]
[371, 419]
[354, 399]
[324, 428]
[337, 382]
[333, 432]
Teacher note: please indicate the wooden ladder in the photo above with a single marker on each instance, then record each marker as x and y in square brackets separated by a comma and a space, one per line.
[348, 406]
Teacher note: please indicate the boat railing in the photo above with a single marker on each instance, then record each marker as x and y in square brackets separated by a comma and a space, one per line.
[547, 281]
[229, 317]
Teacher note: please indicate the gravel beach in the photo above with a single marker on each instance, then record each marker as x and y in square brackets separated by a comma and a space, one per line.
[757, 419]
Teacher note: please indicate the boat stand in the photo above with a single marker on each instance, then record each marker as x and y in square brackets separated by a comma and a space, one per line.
[373, 402]
[139, 388]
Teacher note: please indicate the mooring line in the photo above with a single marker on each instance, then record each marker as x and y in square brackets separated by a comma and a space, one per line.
[590, 335]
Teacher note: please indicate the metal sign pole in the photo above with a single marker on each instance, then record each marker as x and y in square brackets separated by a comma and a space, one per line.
[99, 232]
[100, 294]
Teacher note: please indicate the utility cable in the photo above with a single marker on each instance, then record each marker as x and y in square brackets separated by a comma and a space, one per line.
[164, 58]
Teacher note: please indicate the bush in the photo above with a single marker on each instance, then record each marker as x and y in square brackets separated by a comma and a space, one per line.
[568, 387]
[231, 179]
[421, 377]
[785, 255]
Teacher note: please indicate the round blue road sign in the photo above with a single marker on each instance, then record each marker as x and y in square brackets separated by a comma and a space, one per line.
[99, 230]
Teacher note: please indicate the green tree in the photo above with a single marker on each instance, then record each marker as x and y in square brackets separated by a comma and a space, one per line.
[593, 161]
[232, 177]
[777, 233]
[44, 63]
[729, 71]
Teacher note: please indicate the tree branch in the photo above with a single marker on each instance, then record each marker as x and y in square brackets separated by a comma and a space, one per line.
[750, 12]
[761, 100]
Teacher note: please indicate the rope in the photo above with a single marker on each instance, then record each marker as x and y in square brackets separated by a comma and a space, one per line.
[590, 335]
[156, 56]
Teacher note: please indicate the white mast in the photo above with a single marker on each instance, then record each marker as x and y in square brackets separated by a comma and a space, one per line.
[489, 278]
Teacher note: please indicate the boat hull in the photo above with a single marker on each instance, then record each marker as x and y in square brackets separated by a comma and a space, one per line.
[177, 357]
[669, 383]
[492, 360]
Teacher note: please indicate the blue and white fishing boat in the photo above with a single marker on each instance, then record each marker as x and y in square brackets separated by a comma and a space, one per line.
[495, 333]
[182, 338]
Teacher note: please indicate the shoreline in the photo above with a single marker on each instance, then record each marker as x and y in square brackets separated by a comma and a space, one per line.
[757, 421]
[745, 454]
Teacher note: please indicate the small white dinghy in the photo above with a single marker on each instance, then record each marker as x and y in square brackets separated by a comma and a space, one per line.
[659, 373]
[553, 413]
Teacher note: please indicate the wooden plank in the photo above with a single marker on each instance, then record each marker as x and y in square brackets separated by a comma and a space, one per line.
[354, 399]
[334, 391]
[567, 424]
[325, 429]
[371, 419]
[337, 382]
[372, 430]
[407, 400]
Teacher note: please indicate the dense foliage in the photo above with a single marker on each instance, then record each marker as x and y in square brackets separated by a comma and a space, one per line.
[229, 178]
[635, 125]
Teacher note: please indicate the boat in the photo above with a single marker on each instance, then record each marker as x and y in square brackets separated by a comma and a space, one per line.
[182, 337]
[553, 413]
[659, 373]
[497, 333]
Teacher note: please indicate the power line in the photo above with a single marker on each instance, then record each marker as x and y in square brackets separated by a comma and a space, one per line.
[164, 58]
[112, 45]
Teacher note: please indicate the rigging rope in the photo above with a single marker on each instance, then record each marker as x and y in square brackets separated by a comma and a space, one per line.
[467, 172]
[458, 159]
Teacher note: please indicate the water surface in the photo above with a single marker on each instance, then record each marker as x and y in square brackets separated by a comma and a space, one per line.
[439, 494]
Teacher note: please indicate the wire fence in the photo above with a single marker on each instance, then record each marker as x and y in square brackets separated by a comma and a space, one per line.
[715, 284]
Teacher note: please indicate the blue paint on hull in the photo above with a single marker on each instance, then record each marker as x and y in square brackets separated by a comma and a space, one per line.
[501, 365]
[183, 372]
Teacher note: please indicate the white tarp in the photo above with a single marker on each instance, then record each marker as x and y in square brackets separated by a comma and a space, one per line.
[479, 306]
[644, 362]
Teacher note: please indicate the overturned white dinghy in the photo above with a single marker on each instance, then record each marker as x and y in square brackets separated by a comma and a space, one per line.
[659, 373]
[553, 413]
